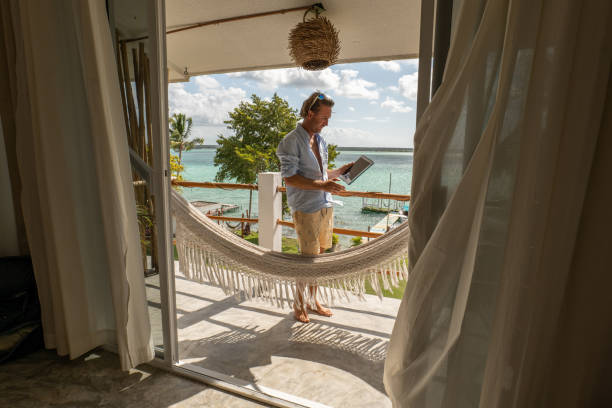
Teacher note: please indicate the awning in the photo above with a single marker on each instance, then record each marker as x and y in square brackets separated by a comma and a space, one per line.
[369, 31]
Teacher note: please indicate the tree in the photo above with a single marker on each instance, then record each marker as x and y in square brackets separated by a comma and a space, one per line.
[176, 169]
[332, 153]
[180, 130]
[259, 126]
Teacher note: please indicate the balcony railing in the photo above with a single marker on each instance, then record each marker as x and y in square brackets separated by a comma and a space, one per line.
[281, 189]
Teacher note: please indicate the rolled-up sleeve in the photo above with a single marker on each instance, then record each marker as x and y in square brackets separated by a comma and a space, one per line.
[288, 155]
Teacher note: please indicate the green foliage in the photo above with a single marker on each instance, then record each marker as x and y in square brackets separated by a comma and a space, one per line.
[396, 293]
[258, 126]
[332, 153]
[334, 239]
[145, 224]
[144, 218]
[180, 130]
[356, 241]
[176, 169]
[289, 245]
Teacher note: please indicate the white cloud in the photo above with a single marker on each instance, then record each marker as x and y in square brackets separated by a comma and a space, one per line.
[292, 77]
[389, 65]
[395, 105]
[393, 88]
[373, 103]
[352, 109]
[209, 105]
[355, 88]
[345, 82]
[369, 118]
[408, 85]
[206, 82]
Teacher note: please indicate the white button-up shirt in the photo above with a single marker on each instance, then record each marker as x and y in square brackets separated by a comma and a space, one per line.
[296, 157]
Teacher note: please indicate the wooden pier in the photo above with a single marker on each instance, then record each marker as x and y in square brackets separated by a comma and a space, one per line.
[387, 222]
[212, 207]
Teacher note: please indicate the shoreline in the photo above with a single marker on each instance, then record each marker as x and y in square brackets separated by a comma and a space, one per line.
[342, 149]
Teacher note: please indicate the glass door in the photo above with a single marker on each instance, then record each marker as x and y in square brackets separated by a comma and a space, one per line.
[138, 31]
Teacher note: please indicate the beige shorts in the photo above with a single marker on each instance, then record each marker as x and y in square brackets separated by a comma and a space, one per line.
[314, 230]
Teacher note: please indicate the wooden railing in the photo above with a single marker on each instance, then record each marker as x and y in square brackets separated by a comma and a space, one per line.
[207, 184]
[343, 231]
[366, 194]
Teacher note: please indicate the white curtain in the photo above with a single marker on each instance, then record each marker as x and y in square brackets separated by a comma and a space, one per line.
[77, 198]
[501, 217]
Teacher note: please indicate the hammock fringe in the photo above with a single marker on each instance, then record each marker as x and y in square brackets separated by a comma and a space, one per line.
[208, 253]
[204, 266]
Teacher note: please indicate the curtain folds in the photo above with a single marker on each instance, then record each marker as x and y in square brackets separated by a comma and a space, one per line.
[503, 156]
[77, 199]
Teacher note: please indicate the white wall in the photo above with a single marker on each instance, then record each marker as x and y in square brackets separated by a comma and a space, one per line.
[8, 230]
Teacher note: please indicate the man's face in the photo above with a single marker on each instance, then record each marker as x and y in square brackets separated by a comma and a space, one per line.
[319, 120]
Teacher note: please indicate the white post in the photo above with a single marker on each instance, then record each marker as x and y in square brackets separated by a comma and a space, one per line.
[270, 209]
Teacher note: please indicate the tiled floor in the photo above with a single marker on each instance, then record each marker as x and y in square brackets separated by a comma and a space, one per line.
[336, 361]
[42, 379]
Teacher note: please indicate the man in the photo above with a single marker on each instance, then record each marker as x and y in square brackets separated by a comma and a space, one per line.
[303, 158]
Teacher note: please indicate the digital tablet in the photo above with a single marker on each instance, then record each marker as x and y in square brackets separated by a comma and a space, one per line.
[361, 165]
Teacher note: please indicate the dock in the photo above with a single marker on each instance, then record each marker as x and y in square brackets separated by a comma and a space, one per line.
[381, 206]
[388, 220]
[208, 206]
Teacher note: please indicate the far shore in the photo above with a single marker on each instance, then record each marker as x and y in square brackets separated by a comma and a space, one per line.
[343, 148]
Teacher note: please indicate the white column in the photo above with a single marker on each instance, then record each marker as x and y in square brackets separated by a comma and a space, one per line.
[270, 210]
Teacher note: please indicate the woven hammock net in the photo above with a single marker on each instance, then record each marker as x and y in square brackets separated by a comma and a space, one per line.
[209, 253]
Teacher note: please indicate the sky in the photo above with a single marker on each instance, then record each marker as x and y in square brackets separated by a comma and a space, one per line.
[375, 102]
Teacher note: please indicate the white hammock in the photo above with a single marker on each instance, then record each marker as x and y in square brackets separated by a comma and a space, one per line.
[210, 253]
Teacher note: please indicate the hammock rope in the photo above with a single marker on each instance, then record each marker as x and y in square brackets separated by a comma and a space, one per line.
[210, 253]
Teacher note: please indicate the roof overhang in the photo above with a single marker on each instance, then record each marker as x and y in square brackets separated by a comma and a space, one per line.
[368, 31]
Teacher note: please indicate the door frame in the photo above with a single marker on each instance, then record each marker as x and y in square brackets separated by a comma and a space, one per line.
[168, 358]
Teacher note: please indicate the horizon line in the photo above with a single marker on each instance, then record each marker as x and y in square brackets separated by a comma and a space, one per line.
[409, 149]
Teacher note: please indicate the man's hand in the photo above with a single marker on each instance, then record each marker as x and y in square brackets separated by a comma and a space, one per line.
[329, 186]
[333, 174]
[346, 167]
[303, 183]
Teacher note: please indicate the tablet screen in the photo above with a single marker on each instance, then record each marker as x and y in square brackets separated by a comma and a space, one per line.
[361, 165]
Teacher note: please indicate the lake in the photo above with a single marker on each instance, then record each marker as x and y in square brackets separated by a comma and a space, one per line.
[198, 164]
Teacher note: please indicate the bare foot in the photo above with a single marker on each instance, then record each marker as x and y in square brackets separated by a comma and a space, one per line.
[323, 311]
[300, 314]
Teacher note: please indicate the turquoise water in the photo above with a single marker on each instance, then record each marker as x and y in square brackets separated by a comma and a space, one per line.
[199, 166]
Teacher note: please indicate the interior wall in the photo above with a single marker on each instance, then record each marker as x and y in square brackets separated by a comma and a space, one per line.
[9, 245]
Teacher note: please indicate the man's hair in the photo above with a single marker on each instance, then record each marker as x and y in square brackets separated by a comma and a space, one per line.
[314, 102]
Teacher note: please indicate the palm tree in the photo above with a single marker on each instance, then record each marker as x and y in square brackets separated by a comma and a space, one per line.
[180, 130]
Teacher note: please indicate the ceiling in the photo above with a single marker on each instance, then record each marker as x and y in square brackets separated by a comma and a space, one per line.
[369, 30]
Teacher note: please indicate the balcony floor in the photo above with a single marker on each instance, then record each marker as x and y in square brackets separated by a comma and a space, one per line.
[335, 361]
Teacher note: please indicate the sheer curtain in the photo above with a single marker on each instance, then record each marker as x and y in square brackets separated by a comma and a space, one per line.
[503, 157]
[77, 198]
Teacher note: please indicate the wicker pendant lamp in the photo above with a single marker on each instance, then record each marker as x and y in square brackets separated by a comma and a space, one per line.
[314, 44]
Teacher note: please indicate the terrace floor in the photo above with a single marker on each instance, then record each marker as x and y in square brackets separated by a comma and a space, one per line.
[335, 361]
